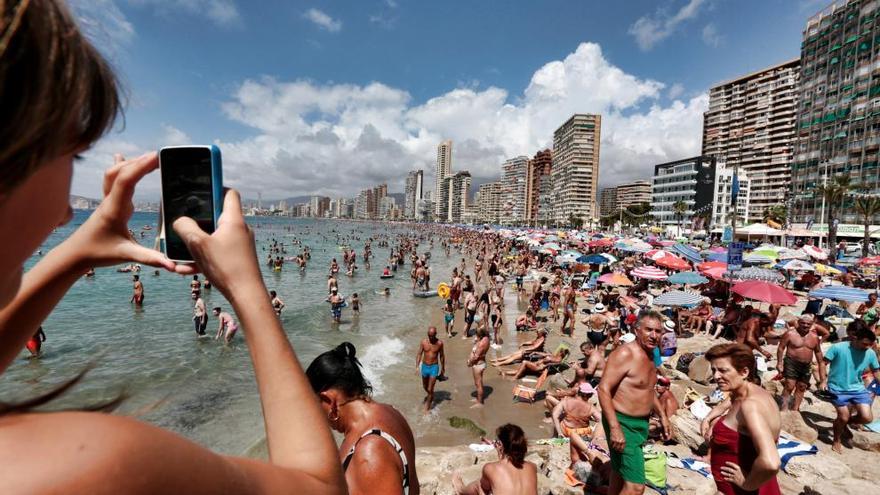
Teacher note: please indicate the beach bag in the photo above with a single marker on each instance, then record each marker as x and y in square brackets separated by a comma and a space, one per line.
[684, 362]
[655, 467]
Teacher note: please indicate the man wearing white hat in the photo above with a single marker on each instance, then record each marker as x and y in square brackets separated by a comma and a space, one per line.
[597, 326]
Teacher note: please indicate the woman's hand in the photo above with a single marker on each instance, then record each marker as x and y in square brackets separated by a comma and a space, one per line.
[104, 239]
[733, 473]
[228, 257]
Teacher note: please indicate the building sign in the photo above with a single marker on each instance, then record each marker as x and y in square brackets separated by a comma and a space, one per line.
[735, 256]
[843, 229]
[727, 236]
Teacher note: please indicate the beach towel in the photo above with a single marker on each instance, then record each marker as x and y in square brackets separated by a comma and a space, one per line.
[875, 426]
[789, 448]
[690, 464]
[699, 409]
[481, 447]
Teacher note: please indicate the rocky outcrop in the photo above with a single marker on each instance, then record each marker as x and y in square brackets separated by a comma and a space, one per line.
[700, 370]
[793, 423]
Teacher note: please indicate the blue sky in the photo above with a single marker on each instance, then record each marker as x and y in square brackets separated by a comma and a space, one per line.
[326, 97]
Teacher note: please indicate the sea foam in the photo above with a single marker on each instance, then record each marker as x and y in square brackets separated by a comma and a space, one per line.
[378, 357]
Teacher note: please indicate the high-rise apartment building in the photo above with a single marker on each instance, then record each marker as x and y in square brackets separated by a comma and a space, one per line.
[489, 202]
[607, 201]
[633, 193]
[691, 181]
[722, 209]
[454, 196]
[838, 120]
[442, 170]
[575, 172]
[412, 193]
[538, 180]
[750, 124]
[515, 185]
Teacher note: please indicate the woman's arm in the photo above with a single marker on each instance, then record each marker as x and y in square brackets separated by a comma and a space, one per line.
[767, 464]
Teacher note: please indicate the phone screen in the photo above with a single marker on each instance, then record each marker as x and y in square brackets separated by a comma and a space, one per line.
[187, 190]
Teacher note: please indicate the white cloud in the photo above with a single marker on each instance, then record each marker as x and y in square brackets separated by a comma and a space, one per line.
[335, 139]
[104, 23]
[221, 12]
[649, 30]
[711, 36]
[322, 20]
[173, 136]
[675, 91]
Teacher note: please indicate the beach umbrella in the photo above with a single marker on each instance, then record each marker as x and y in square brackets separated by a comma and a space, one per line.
[673, 263]
[769, 253]
[601, 242]
[678, 298]
[615, 279]
[717, 257]
[594, 259]
[797, 266]
[815, 253]
[827, 270]
[706, 265]
[552, 245]
[792, 254]
[564, 259]
[717, 273]
[687, 278]
[757, 259]
[754, 273]
[840, 293]
[547, 251]
[870, 260]
[764, 291]
[688, 253]
[655, 254]
[648, 272]
[611, 259]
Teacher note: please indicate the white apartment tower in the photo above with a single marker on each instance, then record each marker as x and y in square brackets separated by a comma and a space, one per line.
[575, 172]
[412, 193]
[442, 170]
[515, 186]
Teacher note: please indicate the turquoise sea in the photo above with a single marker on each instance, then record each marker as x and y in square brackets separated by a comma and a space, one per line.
[199, 387]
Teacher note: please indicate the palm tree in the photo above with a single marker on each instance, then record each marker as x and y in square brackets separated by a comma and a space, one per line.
[868, 207]
[776, 213]
[834, 191]
[679, 208]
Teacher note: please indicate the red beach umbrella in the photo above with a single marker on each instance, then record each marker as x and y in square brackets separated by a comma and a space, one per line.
[764, 291]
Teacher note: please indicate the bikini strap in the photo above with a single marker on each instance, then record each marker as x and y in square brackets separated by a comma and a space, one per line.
[394, 443]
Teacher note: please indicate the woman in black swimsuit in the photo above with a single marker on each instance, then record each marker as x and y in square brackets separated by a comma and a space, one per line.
[378, 445]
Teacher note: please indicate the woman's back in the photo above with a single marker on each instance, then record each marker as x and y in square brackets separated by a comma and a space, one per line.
[507, 479]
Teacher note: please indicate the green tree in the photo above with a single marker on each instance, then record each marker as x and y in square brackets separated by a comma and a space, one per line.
[834, 192]
[575, 221]
[679, 208]
[868, 207]
[777, 213]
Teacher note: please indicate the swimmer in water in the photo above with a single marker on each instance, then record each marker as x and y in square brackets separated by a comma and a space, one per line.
[355, 304]
[138, 296]
[277, 303]
[36, 342]
[226, 323]
[200, 314]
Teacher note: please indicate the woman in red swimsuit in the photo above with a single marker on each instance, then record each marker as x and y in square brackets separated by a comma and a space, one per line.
[742, 443]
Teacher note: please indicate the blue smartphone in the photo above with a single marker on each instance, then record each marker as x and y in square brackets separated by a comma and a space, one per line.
[192, 186]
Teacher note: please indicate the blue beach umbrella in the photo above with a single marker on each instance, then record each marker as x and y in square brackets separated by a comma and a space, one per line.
[688, 252]
[688, 278]
[678, 298]
[593, 259]
[717, 257]
[840, 293]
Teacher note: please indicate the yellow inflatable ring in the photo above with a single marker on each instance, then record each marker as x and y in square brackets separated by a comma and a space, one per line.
[443, 291]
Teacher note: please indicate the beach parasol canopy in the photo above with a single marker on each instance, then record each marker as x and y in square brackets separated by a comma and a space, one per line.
[764, 291]
[870, 260]
[688, 253]
[754, 273]
[796, 266]
[615, 279]
[840, 293]
[827, 270]
[757, 259]
[792, 254]
[594, 259]
[552, 245]
[649, 272]
[687, 278]
[673, 263]
[678, 298]
[815, 253]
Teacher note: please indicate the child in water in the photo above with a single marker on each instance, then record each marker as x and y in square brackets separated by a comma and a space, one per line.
[448, 317]
[355, 304]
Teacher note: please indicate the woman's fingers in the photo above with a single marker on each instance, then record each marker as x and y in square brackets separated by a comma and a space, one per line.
[110, 173]
[130, 174]
[190, 232]
[140, 254]
[231, 208]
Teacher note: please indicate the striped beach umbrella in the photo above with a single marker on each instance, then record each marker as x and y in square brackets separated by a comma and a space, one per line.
[796, 266]
[815, 252]
[840, 293]
[678, 298]
[649, 273]
[688, 252]
[757, 259]
[753, 273]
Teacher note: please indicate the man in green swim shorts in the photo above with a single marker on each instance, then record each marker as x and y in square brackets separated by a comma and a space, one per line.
[626, 394]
